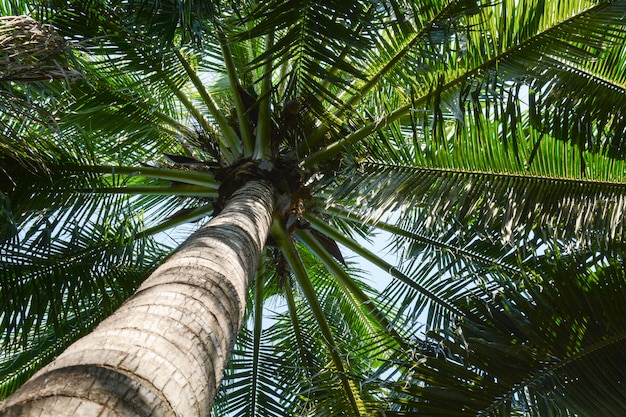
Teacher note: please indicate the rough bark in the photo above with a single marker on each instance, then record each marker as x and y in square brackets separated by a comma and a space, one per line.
[163, 352]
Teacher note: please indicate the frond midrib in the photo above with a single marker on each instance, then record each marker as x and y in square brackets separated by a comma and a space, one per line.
[500, 175]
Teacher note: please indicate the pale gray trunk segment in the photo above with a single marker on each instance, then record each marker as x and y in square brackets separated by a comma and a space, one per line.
[163, 352]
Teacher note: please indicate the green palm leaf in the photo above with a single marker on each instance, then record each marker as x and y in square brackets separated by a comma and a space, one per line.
[528, 352]
[485, 138]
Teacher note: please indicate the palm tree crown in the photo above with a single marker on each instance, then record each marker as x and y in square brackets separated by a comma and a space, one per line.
[484, 139]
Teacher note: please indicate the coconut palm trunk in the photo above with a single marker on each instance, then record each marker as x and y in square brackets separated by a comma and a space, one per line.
[164, 351]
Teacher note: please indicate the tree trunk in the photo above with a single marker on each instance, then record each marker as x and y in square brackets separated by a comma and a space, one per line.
[163, 352]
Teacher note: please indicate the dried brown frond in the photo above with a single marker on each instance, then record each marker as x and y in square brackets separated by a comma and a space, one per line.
[31, 51]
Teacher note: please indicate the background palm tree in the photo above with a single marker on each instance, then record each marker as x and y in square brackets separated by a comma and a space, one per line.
[485, 138]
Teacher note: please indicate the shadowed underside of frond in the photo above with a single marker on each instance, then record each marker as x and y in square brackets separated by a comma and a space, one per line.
[547, 350]
[508, 207]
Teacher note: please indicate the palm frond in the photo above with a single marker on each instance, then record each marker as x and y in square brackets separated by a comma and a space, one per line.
[64, 277]
[71, 256]
[128, 82]
[547, 348]
[500, 206]
[566, 44]
[460, 80]
[301, 380]
[312, 47]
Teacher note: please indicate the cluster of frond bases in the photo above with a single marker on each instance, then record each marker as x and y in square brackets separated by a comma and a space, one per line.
[290, 128]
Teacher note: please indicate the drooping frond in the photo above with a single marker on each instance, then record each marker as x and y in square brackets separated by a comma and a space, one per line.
[72, 252]
[67, 271]
[544, 348]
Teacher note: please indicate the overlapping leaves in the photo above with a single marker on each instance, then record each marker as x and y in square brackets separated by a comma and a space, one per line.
[541, 346]
[480, 135]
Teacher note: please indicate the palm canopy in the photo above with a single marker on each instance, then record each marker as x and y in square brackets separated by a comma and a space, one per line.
[485, 138]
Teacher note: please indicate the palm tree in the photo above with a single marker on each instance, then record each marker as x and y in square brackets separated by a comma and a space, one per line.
[485, 138]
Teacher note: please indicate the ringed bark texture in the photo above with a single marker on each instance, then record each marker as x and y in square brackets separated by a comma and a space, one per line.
[163, 352]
